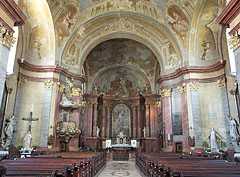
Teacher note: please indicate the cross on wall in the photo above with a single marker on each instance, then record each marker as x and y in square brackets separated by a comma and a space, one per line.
[30, 120]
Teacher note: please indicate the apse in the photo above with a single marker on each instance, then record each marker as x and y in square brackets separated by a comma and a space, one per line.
[121, 67]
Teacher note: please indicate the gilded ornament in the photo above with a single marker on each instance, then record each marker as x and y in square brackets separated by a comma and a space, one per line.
[77, 92]
[22, 81]
[60, 87]
[48, 84]
[222, 83]
[8, 39]
[2, 30]
[234, 41]
[166, 92]
[194, 85]
[158, 104]
[81, 103]
[182, 88]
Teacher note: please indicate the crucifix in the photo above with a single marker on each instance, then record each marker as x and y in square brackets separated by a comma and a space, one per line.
[30, 119]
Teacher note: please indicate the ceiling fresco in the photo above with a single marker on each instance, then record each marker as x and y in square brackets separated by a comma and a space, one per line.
[121, 52]
[123, 59]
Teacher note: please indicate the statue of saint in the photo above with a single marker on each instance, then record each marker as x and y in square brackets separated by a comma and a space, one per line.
[9, 127]
[67, 93]
[213, 140]
[233, 128]
[27, 140]
[98, 131]
[144, 132]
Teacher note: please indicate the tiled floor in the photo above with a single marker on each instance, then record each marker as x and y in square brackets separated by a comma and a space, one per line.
[120, 169]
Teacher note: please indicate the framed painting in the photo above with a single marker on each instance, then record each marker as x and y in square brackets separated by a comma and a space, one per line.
[121, 120]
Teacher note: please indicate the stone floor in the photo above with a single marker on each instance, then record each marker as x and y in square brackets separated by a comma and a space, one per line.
[120, 169]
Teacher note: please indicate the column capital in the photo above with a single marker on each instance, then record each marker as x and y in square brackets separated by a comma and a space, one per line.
[48, 84]
[22, 81]
[8, 39]
[222, 83]
[2, 30]
[194, 85]
[234, 41]
[166, 92]
[182, 88]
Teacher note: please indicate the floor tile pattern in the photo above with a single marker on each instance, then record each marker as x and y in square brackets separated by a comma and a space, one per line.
[120, 169]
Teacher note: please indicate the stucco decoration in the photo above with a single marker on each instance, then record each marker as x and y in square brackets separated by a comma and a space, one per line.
[121, 82]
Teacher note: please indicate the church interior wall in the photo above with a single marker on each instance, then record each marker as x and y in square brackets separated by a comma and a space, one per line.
[211, 107]
[50, 41]
[31, 101]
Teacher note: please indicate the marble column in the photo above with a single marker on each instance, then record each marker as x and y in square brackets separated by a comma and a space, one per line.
[236, 50]
[226, 111]
[17, 109]
[4, 52]
[197, 124]
[95, 111]
[108, 122]
[152, 121]
[134, 122]
[46, 117]
[90, 120]
[147, 120]
[103, 134]
[167, 118]
[139, 121]
[185, 122]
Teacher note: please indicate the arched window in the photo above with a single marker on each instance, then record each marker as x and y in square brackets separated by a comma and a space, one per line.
[12, 53]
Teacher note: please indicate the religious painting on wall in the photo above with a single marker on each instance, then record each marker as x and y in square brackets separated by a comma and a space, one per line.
[121, 120]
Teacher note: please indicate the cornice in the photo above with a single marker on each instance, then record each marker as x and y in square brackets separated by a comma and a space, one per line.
[192, 69]
[13, 11]
[50, 68]
[229, 13]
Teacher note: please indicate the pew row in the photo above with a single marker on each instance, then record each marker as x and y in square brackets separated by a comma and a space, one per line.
[176, 165]
[57, 165]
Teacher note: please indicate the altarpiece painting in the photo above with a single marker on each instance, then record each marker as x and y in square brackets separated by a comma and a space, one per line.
[121, 120]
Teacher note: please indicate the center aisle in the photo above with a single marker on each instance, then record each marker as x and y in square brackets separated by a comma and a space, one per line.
[120, 169]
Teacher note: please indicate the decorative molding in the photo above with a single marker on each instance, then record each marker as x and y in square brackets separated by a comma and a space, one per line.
[50, 68]
[13, 11]
[192, 69]
[166, 92]
[48, 84]
[8, 39]
[22, 81]
[122, 24]
[234, 41]
[194, 85]
[230, 12]
[182, 88]
[222, 83]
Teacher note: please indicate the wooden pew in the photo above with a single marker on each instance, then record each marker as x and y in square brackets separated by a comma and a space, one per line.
[185, 165]
[62, 164]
